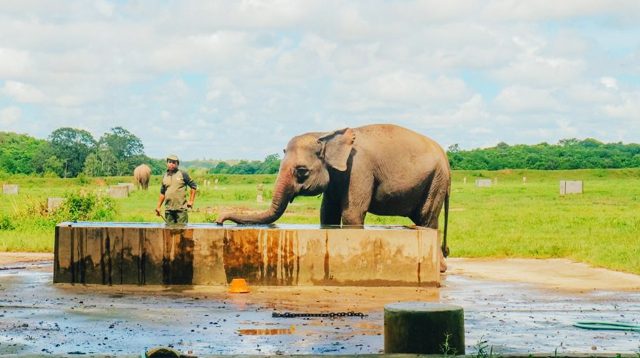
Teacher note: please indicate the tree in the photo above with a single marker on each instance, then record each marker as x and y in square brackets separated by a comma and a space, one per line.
[568, 142]
[92, 166]
[220, 168]
[17, 153]
[53, 165]
[270, 165]
[71, 146]
[44, 161]
[101, 163]
[245, 167]
[123, 145]
[567, 154]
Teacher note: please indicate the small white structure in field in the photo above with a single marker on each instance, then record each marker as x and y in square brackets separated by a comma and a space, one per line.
[464, 180]
[483, 183]
[128, 185]
[260, 189]
[570, 187]
[524, 180]
[54, 203]
[10, 189]
[119, 191]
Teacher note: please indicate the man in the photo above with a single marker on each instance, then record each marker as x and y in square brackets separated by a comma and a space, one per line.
[173, 192]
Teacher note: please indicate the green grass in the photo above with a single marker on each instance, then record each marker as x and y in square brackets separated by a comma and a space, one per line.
[511, 219]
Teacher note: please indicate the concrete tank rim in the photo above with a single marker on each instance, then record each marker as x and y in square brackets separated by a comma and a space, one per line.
[421, 306]
[284, 226]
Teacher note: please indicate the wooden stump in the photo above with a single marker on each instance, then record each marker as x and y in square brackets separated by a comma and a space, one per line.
[423, 328]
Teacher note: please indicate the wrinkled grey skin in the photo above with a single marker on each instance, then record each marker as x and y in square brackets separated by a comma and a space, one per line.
[142, 173]
[382, 169]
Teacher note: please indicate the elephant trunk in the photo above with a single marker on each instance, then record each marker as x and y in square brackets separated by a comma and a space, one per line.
[283, 193]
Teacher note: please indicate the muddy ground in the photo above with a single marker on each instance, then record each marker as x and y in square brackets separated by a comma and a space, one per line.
[513, 305]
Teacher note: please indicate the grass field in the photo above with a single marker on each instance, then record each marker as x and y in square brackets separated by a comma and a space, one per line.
[510, 219]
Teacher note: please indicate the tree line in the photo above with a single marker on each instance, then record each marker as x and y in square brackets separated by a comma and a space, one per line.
[567, 154]
[269, 165]
[69, 152]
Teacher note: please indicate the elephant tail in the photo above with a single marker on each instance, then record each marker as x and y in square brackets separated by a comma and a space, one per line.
[445, 248]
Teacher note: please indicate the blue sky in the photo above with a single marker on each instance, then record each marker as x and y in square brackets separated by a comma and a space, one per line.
[237, 79]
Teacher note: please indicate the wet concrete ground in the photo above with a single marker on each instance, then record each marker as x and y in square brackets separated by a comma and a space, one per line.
[37, 317]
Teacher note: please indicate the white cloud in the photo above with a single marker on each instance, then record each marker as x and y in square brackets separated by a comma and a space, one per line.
[473, 111]
[558, 10]
[224, 92]
[105, 8]
[22, 92]
[628, 109]
[526, 99]
[609, 82]
[413, 88]
[255, 73]
[542, 71]
[9, 116]
[588, 94]
[14, 63]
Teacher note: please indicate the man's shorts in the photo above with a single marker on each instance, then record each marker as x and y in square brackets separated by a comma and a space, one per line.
[177, 217]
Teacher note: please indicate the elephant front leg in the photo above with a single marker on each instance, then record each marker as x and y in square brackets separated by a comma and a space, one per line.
[356, 203]
[353, 217]
[330, 212]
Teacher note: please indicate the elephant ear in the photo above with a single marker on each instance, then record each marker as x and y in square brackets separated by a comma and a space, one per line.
[336, 147]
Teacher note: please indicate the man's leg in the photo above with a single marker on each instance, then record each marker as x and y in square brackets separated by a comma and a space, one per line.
[171, 216]
[182, 218]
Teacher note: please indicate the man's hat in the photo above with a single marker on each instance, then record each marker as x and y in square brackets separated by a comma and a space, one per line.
[173, 157]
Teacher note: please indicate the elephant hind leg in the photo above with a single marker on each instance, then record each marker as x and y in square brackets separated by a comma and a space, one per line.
[429, 213]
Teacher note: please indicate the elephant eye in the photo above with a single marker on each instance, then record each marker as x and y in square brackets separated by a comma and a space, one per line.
[301, 173]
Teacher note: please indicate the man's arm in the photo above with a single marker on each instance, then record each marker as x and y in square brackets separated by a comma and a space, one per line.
[159, 207]
[194, 187]
[192, 198]
[163, 189]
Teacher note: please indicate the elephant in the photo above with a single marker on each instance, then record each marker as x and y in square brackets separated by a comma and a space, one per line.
[142, 173]
[382, 169]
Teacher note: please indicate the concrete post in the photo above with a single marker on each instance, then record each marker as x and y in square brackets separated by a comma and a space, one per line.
[423, 328]
[10, 189]
[117, 191]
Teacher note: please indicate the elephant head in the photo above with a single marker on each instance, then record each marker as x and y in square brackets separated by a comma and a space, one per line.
[304, 170]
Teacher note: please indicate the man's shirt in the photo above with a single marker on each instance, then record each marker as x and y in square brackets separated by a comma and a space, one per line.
[173, 188]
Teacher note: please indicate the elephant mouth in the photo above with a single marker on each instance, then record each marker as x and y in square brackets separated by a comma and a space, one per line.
[305, 191]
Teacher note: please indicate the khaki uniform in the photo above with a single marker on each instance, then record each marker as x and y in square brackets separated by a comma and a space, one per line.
[174, 188]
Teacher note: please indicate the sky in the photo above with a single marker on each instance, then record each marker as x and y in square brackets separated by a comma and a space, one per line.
[237, 79]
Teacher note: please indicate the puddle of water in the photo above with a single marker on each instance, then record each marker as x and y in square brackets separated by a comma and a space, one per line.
[37, 317]
[267, 331]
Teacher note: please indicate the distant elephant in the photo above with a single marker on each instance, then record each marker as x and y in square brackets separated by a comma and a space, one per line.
[142, 173]
[383, 169]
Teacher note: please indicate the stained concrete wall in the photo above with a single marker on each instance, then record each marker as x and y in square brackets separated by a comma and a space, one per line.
[113, 253]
